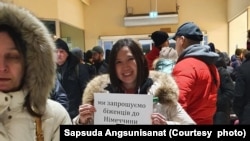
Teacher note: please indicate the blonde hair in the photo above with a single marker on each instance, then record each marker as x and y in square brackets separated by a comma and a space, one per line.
[168, 53]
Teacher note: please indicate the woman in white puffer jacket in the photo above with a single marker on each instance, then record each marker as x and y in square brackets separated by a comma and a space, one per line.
[27, 75]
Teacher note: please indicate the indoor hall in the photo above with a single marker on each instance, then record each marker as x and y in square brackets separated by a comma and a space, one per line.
[87, 23]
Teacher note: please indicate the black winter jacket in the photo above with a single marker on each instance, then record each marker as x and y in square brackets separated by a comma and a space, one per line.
[74, 78]
[225, 93]
[241, 104]
[59, 94]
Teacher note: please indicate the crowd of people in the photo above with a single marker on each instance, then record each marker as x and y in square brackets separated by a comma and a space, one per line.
[42, 81]
[205, 78]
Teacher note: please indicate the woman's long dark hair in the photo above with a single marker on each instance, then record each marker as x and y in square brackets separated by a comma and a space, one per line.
[142, 66]
[15, 36]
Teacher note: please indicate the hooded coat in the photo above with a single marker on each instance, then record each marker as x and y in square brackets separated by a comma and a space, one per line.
[198, 80]
[225, 93]
[16, 123]
[158, 84]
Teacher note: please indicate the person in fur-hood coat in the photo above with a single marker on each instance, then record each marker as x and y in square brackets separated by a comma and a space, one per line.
[152, 83]
[27, 76]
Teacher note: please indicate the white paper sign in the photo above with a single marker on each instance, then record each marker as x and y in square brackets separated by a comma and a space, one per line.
[124, 109]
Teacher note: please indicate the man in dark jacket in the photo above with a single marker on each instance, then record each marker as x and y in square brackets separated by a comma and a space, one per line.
[241, 103]
[98, 59]
[72, 74]
[225, 93]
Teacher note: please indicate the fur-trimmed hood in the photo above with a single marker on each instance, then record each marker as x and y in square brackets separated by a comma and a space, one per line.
[163, 86]
[40, 61]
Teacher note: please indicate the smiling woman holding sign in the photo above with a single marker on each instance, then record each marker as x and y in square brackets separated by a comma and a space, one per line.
[129, 74]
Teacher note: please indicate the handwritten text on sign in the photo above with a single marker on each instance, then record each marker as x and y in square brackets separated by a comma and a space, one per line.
[130, 109]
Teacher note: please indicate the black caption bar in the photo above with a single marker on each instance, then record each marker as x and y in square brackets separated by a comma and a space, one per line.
[171, 132]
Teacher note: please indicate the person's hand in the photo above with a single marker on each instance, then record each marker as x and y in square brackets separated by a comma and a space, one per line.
[158, 119]
[86, 112]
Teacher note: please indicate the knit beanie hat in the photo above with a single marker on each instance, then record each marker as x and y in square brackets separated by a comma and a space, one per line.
[60, 44]
[77, 52]
[159, 37]
[97, 49]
